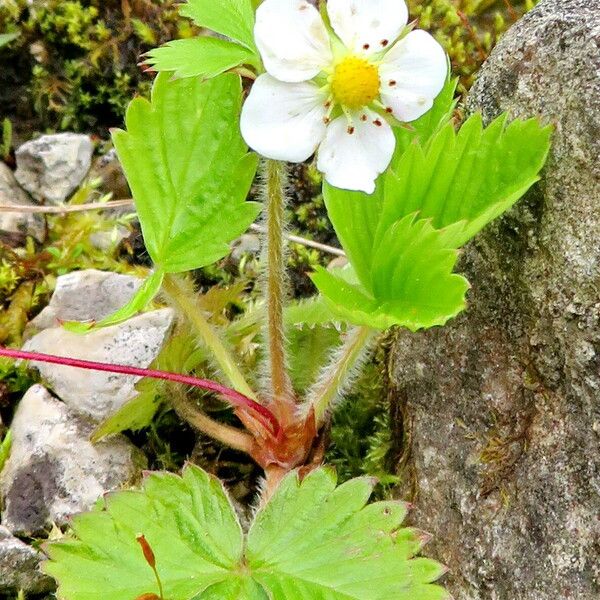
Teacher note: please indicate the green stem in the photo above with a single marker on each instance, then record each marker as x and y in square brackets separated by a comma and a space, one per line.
[275, 189]
[337, 374]
[176, 289]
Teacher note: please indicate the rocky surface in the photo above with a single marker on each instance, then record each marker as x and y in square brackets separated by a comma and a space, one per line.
[502, 406]
[52, 167]
[84, 296]
[94, 394]
[15, 227]
[19, 567]
[54, 471]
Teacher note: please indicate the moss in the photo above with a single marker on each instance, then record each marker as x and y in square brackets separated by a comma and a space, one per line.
[76, 62]
[361, 432]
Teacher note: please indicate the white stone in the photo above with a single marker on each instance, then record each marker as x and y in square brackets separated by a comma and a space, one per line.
[52, 167]
[19, 567]
[95, 394]
[54, 471]
[85, 296]
[13, 225]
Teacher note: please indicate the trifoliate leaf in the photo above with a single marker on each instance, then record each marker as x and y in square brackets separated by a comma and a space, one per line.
[205, 57]
[410, 281]
[137, 304]
[464, 180]
[459, 182]
[315, 540]
[312, 539]
[188, 522]
[189, 170]
[231, 18]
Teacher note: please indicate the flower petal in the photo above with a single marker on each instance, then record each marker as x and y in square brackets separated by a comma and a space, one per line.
[284, 121]
[353, 158]
[367, 25]
[292, 39]
[412, 74]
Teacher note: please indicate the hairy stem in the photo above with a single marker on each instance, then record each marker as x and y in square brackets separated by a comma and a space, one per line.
[176, 289]
[233, 397]
[230, 436]
[275, 190]
[336, 375]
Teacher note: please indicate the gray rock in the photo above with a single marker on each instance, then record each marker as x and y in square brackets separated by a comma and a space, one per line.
[19, 567]
[94, 394]
[53, 166]
[54, 471]
[503, 405]
[15, 227]
[88, 295]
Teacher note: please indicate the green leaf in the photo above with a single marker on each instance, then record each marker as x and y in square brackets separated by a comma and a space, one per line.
[313, 539]
[309, 348]
[189, 523]
[456, 182]
[7, 38]
[410, 282]
[201, 56]
[189, 169]
[137, 304]
[136, 414]
[231, 18]
[464, 180]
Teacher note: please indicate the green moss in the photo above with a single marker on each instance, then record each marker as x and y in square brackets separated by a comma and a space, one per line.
[77, 61]
[361, 432]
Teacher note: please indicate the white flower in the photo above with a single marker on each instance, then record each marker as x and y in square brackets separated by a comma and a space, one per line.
[339, 90]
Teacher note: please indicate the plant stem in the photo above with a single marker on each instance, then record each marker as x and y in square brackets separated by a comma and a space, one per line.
[336, 375]
[178, 293]
[230, 436]
[261, 413]
[275, 190]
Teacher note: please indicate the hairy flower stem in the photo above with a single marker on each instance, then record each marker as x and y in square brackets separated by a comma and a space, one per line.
[262, 414]
[340, 370]
[275, 178]
[177, 292]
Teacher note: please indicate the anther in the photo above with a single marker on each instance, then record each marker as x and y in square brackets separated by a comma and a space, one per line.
[389, 110]
[366, 46]
[351, 129]
[377, 122]
[363, 118]
[393, 82]
[384, 43]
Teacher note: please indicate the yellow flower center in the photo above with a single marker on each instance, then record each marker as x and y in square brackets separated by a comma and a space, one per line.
[355, 82]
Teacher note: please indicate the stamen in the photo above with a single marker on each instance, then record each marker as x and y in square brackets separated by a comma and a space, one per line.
[377, 122]
[351, 129]
[384, 43]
